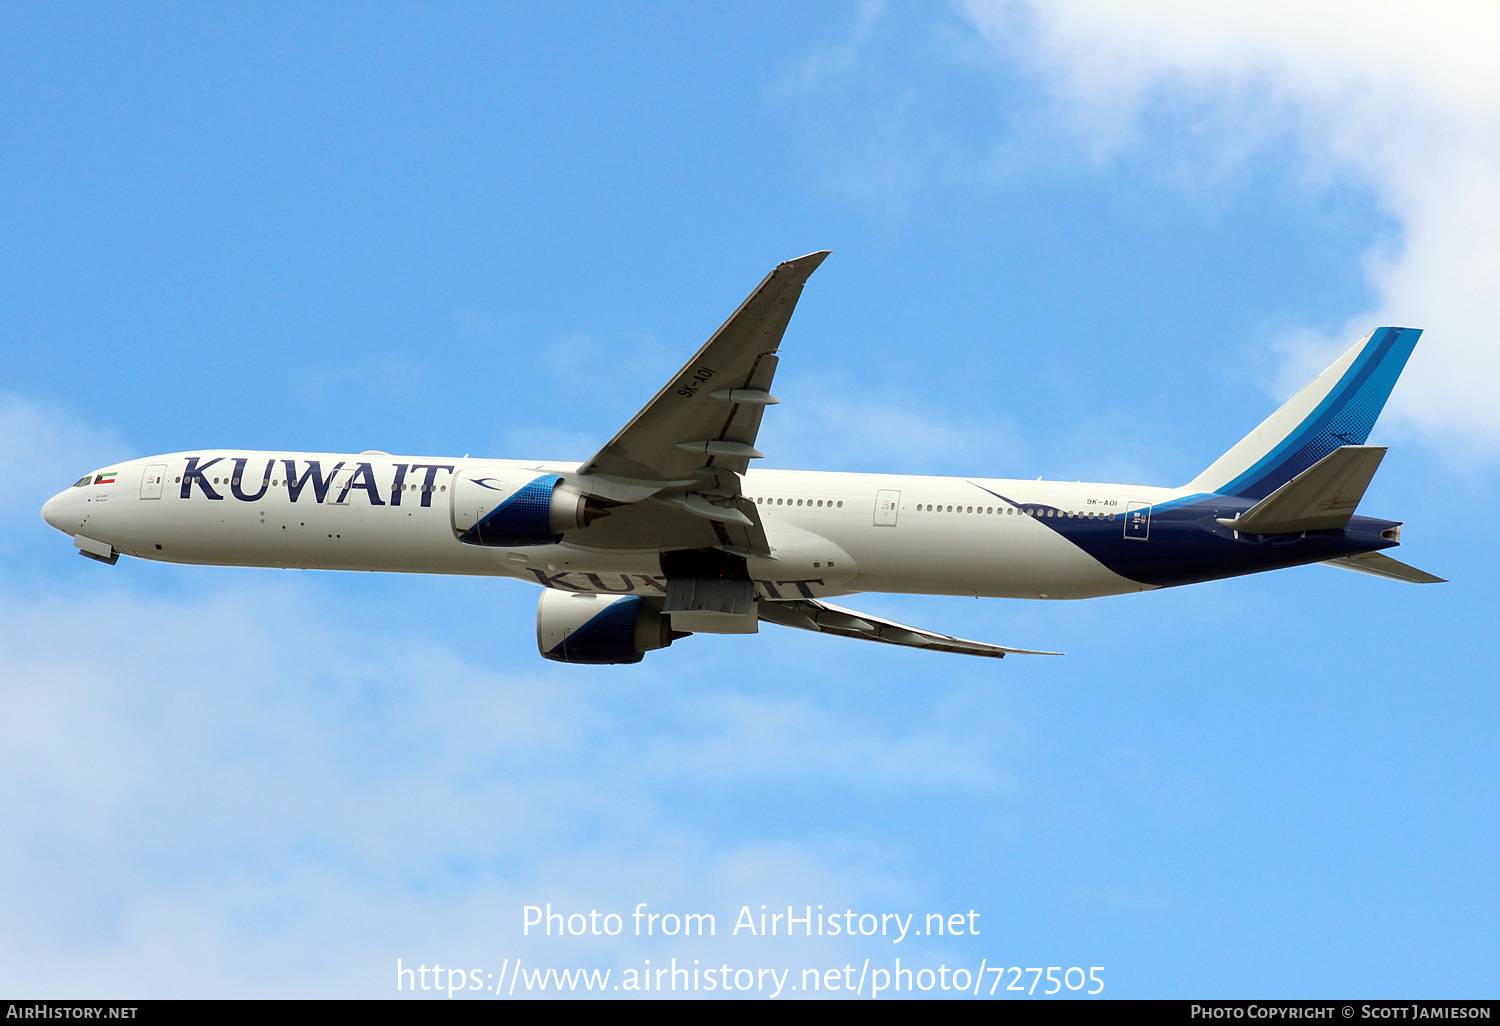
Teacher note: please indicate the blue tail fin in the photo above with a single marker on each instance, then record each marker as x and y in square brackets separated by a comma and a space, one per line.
[1339, 408]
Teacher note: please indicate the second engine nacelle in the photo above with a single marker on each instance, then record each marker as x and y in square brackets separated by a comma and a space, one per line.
[516, 507]
[580, 628]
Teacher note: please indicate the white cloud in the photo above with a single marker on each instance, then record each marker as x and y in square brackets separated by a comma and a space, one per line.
[1399, 99]
[253, 791]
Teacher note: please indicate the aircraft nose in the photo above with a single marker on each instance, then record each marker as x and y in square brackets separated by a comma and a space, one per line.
[50, 512]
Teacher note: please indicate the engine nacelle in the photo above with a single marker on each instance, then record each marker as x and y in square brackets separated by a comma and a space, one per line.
[516, 507]
[581, 628]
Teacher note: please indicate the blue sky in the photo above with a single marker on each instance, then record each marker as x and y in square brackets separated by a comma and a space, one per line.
[1079, 241]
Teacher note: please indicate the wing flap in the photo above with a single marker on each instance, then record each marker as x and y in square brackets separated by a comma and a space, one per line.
[825, 618]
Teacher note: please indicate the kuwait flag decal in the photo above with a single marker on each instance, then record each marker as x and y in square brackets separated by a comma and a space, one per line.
[108, 477]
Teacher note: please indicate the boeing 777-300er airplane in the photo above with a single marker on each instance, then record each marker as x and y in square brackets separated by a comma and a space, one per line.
[666, 531]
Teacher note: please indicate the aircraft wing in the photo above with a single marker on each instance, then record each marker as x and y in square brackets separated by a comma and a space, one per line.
[705, 419]
[813, 615]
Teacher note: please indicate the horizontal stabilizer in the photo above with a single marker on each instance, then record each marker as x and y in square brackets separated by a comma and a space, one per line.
[1384, 566]
[812, 615]
[1321, 498]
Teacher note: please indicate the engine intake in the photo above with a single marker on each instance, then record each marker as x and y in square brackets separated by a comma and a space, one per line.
[582, 628]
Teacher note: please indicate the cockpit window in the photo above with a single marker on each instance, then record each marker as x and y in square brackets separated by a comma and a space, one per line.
[84, 481]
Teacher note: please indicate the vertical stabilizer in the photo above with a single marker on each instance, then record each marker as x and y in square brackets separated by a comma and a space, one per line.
[1338, 409]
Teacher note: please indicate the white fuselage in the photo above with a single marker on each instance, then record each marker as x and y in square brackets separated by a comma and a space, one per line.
[830, 533]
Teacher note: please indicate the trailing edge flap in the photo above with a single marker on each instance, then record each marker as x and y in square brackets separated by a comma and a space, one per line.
[1384, 566]
[1321, 498]
[708, 415]
[812, 615]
